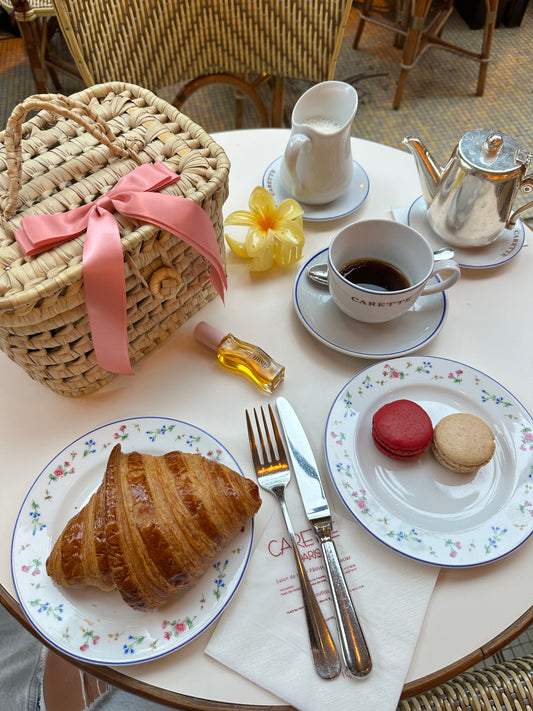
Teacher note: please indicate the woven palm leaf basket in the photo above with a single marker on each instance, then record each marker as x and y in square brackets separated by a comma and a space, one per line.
[69, 153]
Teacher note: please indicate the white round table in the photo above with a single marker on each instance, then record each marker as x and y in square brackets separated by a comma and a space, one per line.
[473, 610]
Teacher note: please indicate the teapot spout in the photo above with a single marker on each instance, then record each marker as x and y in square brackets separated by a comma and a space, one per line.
[428, 171]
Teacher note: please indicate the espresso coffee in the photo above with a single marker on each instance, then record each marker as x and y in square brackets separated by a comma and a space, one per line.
[375, 274]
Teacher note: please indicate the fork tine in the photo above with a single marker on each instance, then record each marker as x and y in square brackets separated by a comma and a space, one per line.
[267, 455]
[272, 453]
[279, 442]
[253, 444]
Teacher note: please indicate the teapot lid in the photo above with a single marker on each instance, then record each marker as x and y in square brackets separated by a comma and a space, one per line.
[492, 151]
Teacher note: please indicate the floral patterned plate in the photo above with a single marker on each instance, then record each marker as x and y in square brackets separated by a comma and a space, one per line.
[98, 626]
[418, 507]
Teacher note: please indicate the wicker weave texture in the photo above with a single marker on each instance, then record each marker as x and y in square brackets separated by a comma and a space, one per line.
[502, 687]
[157, 44]
[30, 11]
[59, 165]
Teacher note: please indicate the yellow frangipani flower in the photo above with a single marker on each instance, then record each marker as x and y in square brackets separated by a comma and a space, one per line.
[275, 234]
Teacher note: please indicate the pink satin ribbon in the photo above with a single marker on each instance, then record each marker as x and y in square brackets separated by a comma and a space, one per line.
[103, 262]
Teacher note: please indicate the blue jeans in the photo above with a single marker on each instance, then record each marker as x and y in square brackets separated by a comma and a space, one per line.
[22, 666]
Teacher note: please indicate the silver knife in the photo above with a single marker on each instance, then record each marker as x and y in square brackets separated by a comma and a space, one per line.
[353, 644]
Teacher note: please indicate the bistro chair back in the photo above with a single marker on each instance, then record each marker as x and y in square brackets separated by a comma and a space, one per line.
[501, 686]
[246, 43]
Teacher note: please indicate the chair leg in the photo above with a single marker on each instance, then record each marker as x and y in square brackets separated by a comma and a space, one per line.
[30, 36]
[239, 105]
[422, 33]
[365, 11]
[400, 86]
[49, 28]
[402, 18]
[358, 33]
[412, 46]
[277, 102]
[54, 76]
[490, 23]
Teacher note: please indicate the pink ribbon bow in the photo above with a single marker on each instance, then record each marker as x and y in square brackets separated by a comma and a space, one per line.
[103, 262]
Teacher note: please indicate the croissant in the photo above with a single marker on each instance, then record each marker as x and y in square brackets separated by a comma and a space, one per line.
[153, 526]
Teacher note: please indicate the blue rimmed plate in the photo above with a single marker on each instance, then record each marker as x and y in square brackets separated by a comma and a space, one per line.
[417, 507]
[97, 626]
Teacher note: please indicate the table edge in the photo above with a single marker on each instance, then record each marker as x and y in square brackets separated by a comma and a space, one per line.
[128, 683]
[189, 703]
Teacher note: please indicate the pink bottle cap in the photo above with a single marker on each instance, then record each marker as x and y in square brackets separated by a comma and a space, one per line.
[208, 335]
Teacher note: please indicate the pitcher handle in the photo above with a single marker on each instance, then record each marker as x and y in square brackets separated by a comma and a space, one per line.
[297, 143]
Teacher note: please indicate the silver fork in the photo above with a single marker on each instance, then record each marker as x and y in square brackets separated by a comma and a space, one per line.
[273, 474]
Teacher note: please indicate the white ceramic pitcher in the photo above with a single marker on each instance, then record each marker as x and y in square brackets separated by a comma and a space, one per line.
[317, 165]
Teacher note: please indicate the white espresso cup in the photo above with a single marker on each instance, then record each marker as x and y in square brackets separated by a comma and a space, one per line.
[377, 269]
[317, 165]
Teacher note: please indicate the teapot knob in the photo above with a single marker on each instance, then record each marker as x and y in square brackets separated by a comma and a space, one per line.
[493, 144]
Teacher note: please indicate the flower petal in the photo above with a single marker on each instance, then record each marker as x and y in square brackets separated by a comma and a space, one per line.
[241, 217]
[257, 241]
[261, 201]
[290, 233]
[285, 254]
[263, 261]
[289, 209]
[238, 246]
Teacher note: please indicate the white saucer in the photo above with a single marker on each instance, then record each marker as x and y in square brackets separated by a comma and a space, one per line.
[507, 246]
[349, 201]
[326, 322]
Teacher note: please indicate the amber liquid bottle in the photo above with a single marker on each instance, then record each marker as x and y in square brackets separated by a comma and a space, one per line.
[241, 357]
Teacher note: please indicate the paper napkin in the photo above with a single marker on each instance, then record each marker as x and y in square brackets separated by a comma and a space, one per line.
[401, 214]
[263, 634]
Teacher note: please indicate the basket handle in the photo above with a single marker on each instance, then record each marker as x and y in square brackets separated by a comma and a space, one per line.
[62, 106]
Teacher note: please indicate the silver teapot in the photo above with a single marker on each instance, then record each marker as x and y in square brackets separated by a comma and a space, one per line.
[469, 201]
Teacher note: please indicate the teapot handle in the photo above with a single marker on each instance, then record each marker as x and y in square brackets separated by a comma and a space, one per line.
[527, 187]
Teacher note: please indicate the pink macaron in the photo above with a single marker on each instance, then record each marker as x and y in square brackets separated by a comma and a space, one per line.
[402, 429]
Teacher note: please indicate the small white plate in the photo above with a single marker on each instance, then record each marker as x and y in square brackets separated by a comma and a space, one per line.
[97, 626]
[417, 507]
[326, 322]
[348, 202]
[507, 246]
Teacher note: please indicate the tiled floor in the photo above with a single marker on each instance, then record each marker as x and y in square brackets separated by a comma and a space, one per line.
[439, 103]
[520, 646]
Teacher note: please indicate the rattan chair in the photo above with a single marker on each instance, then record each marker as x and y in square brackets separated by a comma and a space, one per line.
[421, 23]
[242, 43]
[37, 23]
[506, 686]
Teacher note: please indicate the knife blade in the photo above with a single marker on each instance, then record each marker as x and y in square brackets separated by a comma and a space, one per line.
[353, 644]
